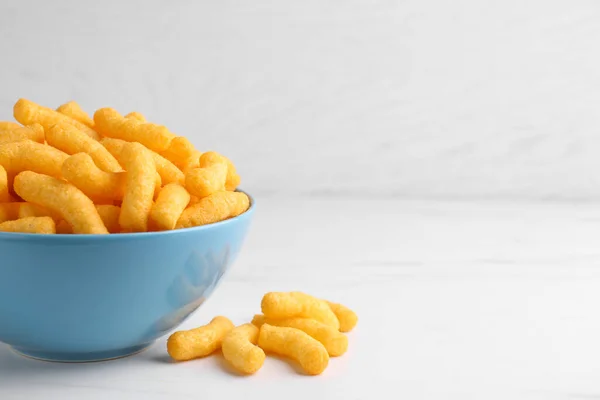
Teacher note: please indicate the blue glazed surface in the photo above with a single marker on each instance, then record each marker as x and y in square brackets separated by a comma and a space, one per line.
[87, 297]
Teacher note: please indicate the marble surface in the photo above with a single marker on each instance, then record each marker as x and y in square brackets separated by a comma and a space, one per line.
[457, 300]
[465, 98]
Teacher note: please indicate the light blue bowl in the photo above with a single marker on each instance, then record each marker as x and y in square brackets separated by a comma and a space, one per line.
[77, 298]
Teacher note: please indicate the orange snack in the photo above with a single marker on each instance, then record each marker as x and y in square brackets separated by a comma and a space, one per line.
[34, 132]
[73, 110]
[240, 349]
[71, 140]
[346, 316]
[28, 112]
[278, 305]
[29, 225]
[60, 197]
[113, 125]
[211, 158]
[27, 155]
[168, 172]
[110, 216]
[202, 182]
[136, 115]
[171, 201]
[80, 170]
[290, 342]
[335, 343]
[214, 208]
[9, 125]
[199, 342]
[139, 189]
[4, 192]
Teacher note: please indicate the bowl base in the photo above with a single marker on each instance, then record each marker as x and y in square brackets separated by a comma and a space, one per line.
[81, 357]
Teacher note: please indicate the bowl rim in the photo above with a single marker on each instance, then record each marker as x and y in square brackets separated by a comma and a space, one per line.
[77, 237]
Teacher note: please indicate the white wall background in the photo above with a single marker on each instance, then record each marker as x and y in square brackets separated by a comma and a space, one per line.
[361, 98]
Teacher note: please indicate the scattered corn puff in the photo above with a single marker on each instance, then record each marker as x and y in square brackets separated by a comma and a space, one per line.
[169, 205]
[61, 197]
[9, 211]
[110, 216]
[27, 155]
[80, 170]
[137, 116]
[28, 112]
[4, 193]
[290, 342]
[34, 132]
[9, 125]
[29, 225]
[69, 139]
[63, 227]
[240, 350]
[168, 172]
[278, 305]
[211, 158]
[346, 316]
[139, 189]
[335, 342]
[214, 208]
[73, 110]
[113, 125]
[202, 182]
[198, 342]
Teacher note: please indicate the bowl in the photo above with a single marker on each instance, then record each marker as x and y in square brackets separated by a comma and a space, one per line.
[79, 298]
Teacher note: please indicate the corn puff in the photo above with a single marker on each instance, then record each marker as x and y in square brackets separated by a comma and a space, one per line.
[335, 342]
[139, 189]
[191, 163]
[27, 155]
[73, 110]
[110, 216]
[80, 170]
[346, 316]
[240, 350]
[290, 342]
[211, 158]
[29, 225]
[198, 342]
[9, 211]
[182, 153]
[169, 205]
[193, 200]
[9, 125]
[113, 125]
[62, 198]
[69, 139]
[34, 132]
[214, 208]
[202, 182]
[28, 112]
[4, 193]
[34, 210]
[278, 305]
[137, 116]
[169, 173]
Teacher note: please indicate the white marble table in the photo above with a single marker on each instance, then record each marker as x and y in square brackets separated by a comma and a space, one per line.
[456, 300]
